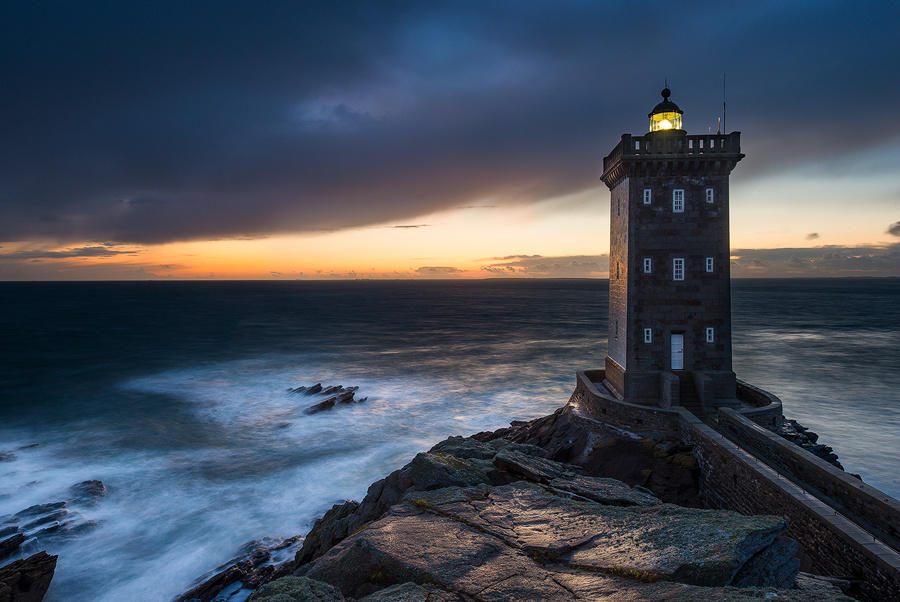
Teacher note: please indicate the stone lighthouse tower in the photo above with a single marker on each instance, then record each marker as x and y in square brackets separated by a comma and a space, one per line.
[669, 283]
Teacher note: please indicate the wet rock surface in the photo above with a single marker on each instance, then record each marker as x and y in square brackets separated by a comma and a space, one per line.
[334, 394]
[254, 564]
[27, 579]
[795, 432]
[42, 524]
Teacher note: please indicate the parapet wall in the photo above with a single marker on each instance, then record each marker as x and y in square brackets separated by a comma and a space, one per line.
[875, 511]
[732, 477]
[595, 401]
[830, 543]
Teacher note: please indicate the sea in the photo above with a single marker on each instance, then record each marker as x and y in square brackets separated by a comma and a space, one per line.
[175, 395]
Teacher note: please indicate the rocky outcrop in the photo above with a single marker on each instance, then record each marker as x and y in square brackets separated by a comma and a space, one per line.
[454, 462]
[532, 512]
[89, 492]
[796, 433]
[411, 592]
[298, 589]
[525, 541]
[335, 394]
[52, 520]
[27, 580]
[255, 563]
[658, 463]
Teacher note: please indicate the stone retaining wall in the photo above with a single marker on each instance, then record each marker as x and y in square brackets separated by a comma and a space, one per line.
[600, 404]
[874, 510]
[830, 543]
[766, 410]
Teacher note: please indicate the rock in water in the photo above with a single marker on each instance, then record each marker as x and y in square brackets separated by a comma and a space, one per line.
[321, 406]
[89, 491]
[27, 580]
[39, 509]
[9, 546]
[316, 388]
[333, 389]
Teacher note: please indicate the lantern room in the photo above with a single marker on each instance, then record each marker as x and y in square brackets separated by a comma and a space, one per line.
[666, 115]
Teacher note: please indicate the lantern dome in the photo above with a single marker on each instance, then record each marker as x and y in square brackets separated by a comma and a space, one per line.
[666, 115]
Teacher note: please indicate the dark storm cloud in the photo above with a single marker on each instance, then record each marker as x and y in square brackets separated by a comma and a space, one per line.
[152, 122]
[812, 236]
[80, 252]
[894, 229]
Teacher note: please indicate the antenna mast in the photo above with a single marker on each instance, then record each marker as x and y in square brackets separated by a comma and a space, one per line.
[724, 106]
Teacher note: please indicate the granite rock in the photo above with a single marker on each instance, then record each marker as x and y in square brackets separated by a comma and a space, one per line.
[27, 580]
[522, 541]
[296, 589]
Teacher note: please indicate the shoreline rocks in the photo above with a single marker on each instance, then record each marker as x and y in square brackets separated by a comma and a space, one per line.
[558, 508]
[27, 579]
[337, 394]
[798, 434]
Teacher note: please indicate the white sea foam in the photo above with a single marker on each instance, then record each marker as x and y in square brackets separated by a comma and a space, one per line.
[250, 463]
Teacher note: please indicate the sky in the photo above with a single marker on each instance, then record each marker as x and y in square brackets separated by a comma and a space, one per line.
[283, 140]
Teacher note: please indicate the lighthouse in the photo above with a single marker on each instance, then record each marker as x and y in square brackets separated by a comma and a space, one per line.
[669, 281]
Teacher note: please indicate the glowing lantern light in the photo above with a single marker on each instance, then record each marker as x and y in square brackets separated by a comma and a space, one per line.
[666, 115]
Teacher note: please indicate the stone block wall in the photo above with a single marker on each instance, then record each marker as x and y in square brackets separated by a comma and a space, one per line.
[830, 543]
[598, 403]
[876, 511]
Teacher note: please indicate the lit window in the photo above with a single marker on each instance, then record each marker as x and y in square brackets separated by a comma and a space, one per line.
[710, 335]
[710, 264]
[648, 335]
[678, 200]
[648, 265]
[648, 196]
[710, 195]
[678, 268]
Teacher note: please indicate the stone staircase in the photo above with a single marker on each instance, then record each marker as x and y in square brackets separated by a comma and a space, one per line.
[687, 393]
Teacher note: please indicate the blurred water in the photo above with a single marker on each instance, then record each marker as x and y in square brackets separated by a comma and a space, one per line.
[174, 394]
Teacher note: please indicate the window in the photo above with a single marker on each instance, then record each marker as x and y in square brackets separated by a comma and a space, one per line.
[678, 268]
[710, 195]
[648, 196]
[648, 335]
[710, 264]
[617, 270]
[648, 265]
[617, 329]
[710, 335]
[678, 200]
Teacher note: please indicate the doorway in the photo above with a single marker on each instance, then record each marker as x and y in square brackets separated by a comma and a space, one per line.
[677, 351]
